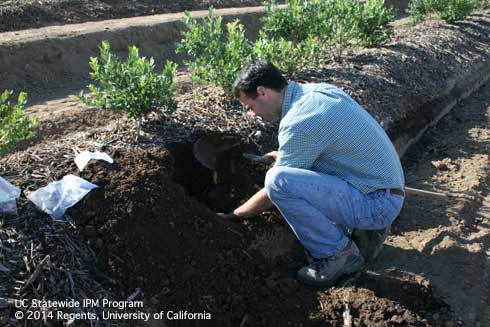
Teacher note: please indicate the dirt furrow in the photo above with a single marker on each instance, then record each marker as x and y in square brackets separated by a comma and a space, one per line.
[446, 241]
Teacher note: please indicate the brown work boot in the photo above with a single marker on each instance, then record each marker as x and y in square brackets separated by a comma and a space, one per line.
[326, 271]
[370, 242]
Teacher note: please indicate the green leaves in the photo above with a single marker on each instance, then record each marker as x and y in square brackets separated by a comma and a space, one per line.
[14, 125]
[374, 23]
[298, 20]
[131, 86]
[483, 4]
[457, 10]
[419, 9]
[217, 56]
[287, 55]
[341, 23]
[449, 10]
[293, 37]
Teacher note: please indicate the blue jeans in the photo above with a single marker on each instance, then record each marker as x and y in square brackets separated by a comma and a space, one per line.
[321, 209]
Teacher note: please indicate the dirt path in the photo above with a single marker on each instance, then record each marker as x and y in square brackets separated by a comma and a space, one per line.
[446, 242]
[24, 14]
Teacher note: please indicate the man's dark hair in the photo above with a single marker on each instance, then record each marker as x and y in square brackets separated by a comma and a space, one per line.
[259, 73]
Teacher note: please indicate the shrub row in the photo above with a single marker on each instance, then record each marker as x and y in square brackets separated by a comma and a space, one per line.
[293, 37]
[300, 34]
[365, 23]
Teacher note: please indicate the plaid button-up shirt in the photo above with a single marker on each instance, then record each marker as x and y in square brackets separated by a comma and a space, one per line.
[325, 130]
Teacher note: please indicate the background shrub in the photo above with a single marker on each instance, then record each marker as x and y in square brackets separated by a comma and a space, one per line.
[483, 4]
[374, 23]
[339, 23]
[449, 10]
[294, 37]
[15, 126]
[130, 85]
[216, 56]
[344, 21]
[455, 10]
[420, 9]
[298, 20]
[287, 55]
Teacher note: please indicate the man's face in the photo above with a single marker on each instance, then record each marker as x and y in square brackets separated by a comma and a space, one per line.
[262, 106]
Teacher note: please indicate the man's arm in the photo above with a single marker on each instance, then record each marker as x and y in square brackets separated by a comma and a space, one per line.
[258, 203]
[272, 154]
[254, 206]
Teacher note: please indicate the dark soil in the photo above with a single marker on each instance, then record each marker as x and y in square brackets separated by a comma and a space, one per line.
[23, 14]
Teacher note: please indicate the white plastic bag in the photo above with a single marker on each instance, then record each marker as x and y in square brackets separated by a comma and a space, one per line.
[57, 197]
[8, 194]
[84, 157]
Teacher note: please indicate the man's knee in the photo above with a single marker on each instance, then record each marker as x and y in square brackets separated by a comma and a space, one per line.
[274, 180]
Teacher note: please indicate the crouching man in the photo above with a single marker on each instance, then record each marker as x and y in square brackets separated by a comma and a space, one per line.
[336, 170]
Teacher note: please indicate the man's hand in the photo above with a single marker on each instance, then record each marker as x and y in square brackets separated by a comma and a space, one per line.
[272, 154]
[231, 217]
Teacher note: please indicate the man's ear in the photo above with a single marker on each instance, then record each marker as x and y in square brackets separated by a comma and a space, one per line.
[261, 90]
